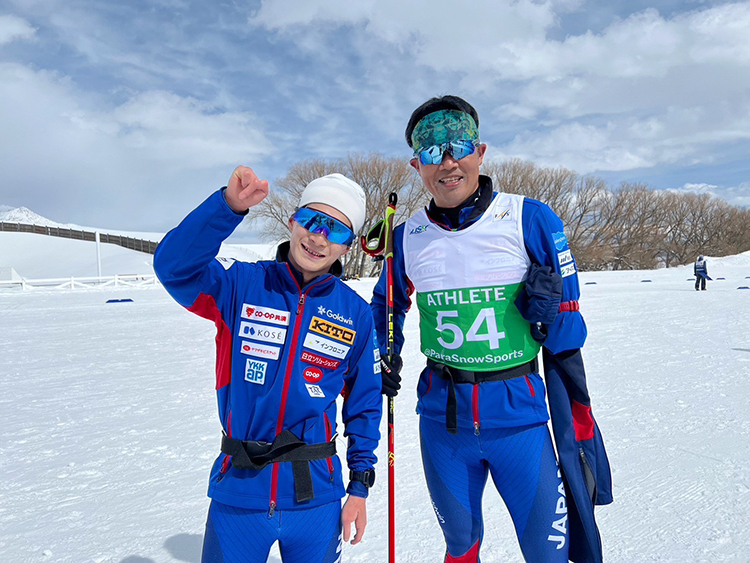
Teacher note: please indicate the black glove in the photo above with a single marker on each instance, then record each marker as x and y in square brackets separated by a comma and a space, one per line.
[389, 372]
[541, 295]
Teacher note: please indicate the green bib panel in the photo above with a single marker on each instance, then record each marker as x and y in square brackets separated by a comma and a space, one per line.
[477, 329]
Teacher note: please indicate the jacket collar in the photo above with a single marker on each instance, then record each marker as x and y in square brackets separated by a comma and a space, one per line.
[282, 255]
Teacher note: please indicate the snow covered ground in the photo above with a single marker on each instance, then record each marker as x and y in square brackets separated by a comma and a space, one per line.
[109, 423]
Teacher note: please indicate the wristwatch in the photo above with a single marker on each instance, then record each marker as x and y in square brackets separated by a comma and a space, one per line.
[367, 478]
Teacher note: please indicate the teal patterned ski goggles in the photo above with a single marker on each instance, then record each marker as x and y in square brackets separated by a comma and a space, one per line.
[318, 222]
[457, 149]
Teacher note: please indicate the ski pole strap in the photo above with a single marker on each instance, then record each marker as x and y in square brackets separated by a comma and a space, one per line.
[286, 446]
[461, 376]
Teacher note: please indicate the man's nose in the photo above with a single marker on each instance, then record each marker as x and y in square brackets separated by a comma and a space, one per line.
[448, 162]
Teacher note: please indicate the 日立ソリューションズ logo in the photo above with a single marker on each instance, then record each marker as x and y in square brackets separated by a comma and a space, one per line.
[340, 333]
[322, 311]
[314, 359]
[267, 314]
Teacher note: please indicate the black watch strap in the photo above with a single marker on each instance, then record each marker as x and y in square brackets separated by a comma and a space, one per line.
[367, 478]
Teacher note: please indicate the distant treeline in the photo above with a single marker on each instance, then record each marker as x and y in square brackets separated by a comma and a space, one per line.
[629, 227]
[140, 245]
[608, 228]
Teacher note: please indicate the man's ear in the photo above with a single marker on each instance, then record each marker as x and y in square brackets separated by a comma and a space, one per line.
[290, 223]
[414, 164]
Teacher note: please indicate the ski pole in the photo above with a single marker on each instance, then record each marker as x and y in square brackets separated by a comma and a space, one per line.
[378, 241]
[389, 213]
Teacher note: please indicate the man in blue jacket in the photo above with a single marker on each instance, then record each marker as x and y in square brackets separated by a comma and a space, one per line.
[700, 269]
[290, 338]
[494, 280]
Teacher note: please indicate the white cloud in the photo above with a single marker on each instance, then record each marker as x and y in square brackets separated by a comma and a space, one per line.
[12, 28]
[645, 90]
[155, 147]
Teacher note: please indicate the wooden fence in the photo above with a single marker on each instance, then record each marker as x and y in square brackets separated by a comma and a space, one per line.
[147, 246]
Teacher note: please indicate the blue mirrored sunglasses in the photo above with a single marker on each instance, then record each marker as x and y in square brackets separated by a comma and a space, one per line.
[318, 222]
[457, 149]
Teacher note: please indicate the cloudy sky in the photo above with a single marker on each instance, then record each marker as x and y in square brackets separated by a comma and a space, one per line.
[126, 114]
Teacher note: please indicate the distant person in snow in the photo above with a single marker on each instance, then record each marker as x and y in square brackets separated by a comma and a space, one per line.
[700, 269]
[290, 338]
[495, 282]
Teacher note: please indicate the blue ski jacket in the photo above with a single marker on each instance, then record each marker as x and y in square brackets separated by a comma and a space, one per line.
[550, 305]
[284, 353]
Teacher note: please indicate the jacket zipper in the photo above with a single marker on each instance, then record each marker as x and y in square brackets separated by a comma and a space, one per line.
[475, 407]
[285, 389]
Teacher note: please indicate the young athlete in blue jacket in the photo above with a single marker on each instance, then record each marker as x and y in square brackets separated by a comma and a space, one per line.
[291, 337]
[494, 280]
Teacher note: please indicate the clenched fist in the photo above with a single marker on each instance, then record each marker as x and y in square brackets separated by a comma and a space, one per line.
[245, 190]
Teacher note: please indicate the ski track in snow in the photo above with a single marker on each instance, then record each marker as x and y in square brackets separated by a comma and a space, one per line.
[109, 427]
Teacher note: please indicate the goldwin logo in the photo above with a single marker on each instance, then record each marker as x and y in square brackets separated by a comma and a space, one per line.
[336, 316]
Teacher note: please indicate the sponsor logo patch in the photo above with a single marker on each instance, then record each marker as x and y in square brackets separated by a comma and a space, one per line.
[340, 333]
[568, 270]
[312, 374]
[376, 354]
[376, 367]
[264, 333]
[315, 391]
[418, 230]
[260, 350]
[311, 358]
[255, 372]
[323, 312]
[565, 257]
[325, 346]
[503, 215]
[560, 241]
[266, 314]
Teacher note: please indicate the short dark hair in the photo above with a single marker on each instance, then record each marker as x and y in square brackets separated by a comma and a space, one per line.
[436, 104]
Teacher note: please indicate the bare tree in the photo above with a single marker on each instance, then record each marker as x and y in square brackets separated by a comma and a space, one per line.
[629, 227]
[378, 176]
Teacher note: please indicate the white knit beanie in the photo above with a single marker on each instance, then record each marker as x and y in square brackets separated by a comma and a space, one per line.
[339, 192]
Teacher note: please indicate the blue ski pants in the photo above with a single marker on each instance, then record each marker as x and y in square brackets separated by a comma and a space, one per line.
[241, 535]
[524, 470]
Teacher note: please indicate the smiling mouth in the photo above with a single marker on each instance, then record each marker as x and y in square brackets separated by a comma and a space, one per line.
[450, 180]
[312, 252]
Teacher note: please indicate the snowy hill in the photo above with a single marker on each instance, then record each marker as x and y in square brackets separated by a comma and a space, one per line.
[110, 427]
[26, 216]
[35, 256]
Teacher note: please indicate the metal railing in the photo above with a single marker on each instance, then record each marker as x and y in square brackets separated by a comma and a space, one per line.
[141, 245]
[129, 280]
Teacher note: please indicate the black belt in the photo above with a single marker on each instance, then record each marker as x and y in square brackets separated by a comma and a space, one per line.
[457, 375]
[285, 447]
